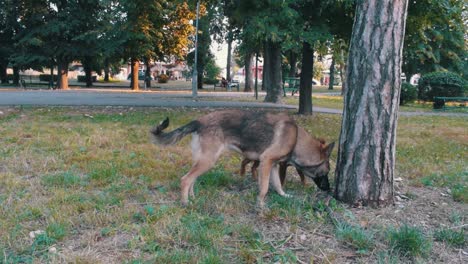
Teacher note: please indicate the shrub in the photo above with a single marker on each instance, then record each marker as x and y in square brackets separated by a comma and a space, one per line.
[82, 78]
[410, 241]
[446, 84]
[210, 81]
[163, 78]
[46, 77]
[409, 93]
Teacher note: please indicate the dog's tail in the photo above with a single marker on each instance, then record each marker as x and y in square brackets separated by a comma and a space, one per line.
[161, 138]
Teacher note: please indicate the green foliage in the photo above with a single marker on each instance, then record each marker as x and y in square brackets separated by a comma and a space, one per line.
[212, 71]
[441, 84]
[409, 241]
[450, 236]
[408, 94]
[355, 236]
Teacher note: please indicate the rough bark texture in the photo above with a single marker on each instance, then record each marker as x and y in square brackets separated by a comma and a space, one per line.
[293, 63]
[273, 77]
[332, 74]
[147, 74]
[248, 73]
[366, 154]
[229, 55]
[62, 81]
[134, 77]
[305, 86]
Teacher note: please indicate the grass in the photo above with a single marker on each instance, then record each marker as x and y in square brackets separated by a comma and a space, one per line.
[90, 178]
[409, 241]
[451, 237]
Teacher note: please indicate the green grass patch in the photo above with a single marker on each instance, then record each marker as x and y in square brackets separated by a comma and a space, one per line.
[409, 241]
[355, 236]
[457, 182]
[451, 237]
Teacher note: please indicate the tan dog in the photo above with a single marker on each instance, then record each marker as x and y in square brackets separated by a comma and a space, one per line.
[282, 167]
[266, 137]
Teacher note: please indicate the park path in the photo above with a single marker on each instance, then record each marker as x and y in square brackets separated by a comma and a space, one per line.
[118, 97]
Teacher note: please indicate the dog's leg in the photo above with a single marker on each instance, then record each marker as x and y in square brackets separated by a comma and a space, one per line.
[254, 169]
[282, 172]
[301, 174]
[263, 181]
[188, 180]
[243, 165]
[275, 180]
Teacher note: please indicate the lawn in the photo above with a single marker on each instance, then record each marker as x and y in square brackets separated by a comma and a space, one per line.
[85, 185]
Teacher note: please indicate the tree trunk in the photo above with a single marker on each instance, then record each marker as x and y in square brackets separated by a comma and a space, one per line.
[51, 79]
[88, 72]
[332, 74]
[305, 86]
[3, 73]
[62, 81]
[366, 154]
[147, 74]
[106, 70]
[16, 75]
[292, 63]
[343, 73]
[273, 75]
[248, 73]
[229, 55]
[135, 64]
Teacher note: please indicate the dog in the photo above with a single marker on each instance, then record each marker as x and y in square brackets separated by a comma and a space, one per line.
[282, 167]
[267, 137]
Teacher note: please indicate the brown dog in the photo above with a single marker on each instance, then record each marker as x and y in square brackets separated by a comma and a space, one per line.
[266, 137]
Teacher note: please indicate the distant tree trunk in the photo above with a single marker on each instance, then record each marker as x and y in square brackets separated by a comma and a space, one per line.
[51, 79]
[88, 72]
[293, 64]
[106, 70]
[273, 75]
[62, 81]
[305, 86]
[343, 74]
[229, 55]
[147, 74]
[366, 154]
[3, 73]
[248, 72]
[135, 64]
[332, 74]
[16, 75]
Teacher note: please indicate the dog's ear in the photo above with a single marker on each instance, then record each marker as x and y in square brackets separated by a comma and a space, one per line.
[328, 149]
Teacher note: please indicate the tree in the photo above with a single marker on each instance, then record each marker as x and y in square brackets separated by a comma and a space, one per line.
[366, 155]
[435, 38]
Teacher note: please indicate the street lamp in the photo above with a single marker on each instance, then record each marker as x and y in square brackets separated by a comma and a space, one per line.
[195, 73]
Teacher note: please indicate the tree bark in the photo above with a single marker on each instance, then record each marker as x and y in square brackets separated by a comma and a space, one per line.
[62, 81]
[293, 64]
[343, 77]
[147, 74]
[273, 75]
[51, 79]
[366, 154]
[3, 73]
[88, 72]
[229, 55]
[106, 70]
[248, 72]
[16, 75]
[332, 74]
[135, 65]
[305, 86]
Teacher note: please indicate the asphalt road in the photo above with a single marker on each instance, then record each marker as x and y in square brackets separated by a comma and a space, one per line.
[129, 98]
[118, 97]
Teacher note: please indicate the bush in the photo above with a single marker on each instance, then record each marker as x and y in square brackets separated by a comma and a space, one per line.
[46, 77]
[447, 84]
[163, 78]
[210, 81]
[82, 78]
[409, 93]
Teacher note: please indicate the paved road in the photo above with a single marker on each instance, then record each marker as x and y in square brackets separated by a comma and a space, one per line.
[100, 97]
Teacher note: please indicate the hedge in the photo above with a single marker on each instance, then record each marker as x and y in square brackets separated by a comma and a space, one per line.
[446, 84]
